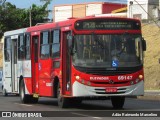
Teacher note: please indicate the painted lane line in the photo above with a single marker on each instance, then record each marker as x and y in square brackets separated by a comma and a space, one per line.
[23, 104]
[97, 118]
[85, 115]
[81, 114]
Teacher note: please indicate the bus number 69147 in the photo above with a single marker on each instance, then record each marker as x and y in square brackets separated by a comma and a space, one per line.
[125, 77]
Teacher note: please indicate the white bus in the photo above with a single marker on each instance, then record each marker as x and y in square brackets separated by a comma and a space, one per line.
[1, 82]
[11, 64]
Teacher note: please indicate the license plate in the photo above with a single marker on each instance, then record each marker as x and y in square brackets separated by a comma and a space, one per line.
[111, 90]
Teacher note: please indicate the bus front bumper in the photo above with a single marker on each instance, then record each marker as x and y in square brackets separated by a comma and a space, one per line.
[81, 90]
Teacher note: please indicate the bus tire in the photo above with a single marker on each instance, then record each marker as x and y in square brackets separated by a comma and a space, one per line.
[24, 98]
[76, 101]
[33, 100]
[5, 93]
[62, 101]
[117, 102]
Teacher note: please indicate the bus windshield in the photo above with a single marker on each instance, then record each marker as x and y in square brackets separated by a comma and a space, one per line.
[114, 50]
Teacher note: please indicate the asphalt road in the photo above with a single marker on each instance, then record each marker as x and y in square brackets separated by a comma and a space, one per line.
[91, 109]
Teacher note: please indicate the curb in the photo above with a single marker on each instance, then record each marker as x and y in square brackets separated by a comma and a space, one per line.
[149, 97]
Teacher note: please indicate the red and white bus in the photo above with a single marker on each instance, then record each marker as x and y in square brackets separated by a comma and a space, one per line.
[77, 59]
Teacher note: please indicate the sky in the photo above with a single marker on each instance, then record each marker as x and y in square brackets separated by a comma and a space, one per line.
[28, 3]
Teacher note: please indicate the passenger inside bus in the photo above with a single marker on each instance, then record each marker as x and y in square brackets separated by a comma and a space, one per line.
[118, 46]
[123, 49]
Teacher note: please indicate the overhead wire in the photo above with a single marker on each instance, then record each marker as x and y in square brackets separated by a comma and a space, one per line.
[147, 13]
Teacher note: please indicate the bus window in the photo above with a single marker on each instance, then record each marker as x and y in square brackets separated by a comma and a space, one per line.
[7, 49]
[55, 44]
[21, 48]
[27, 47]
[44, 54]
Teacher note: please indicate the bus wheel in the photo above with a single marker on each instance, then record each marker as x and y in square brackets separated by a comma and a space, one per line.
[117, 102]
[33, 100]
[5, 92]
[75, 101]
[62, 102]
[23, 96]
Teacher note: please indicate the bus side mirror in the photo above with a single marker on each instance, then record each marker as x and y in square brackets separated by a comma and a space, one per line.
[143, 44]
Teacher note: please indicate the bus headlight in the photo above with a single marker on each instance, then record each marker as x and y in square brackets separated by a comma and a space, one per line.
[77, 77]
[140, 76]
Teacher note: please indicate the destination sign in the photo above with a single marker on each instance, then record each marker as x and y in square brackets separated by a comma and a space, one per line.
[107, 24]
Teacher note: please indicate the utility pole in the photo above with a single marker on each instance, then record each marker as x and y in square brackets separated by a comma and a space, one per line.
[30, 16]
[159, 4]
[130, 9]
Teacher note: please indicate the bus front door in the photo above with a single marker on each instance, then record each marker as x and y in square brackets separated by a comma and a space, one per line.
[66, 65]
[35, 66]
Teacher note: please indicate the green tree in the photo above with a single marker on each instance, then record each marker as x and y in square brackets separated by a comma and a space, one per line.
[12, 18]
[39, 13]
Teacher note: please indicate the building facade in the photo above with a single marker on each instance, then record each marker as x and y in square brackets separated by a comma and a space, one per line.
[63, 12]
[143, 9]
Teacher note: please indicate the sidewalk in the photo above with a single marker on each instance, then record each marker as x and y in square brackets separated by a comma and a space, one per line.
[150, 95]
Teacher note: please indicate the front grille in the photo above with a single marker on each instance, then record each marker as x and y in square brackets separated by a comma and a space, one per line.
[103, 91]
[110, 93]
[105, 83]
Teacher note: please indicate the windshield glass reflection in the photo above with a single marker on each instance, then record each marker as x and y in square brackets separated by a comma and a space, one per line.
[107, 50]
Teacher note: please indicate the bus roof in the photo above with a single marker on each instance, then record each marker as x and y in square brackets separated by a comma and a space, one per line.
[70, 22]
[57, 25]
[53, 25]
[15, 32]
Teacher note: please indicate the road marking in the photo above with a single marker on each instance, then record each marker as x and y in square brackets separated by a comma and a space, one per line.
[86, 115]
[23, 104]
[97, 118]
